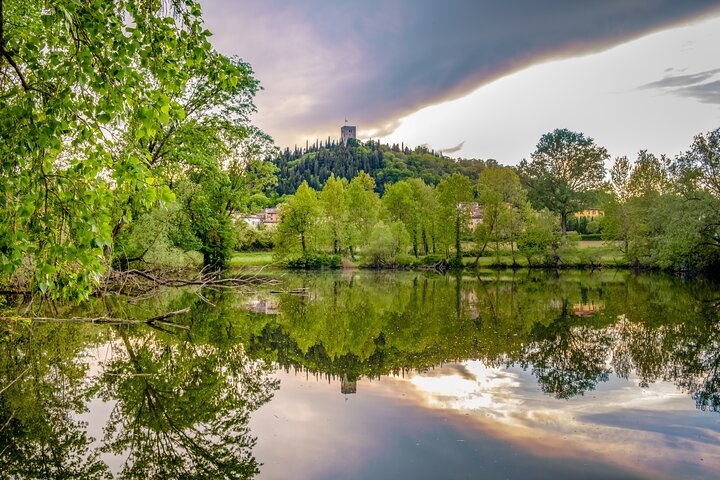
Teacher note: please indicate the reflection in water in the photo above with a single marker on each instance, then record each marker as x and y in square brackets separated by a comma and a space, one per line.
[373, 325]
[181, 402]
[181, 398]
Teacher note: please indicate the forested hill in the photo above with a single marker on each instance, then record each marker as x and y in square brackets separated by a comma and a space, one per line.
[386, 164]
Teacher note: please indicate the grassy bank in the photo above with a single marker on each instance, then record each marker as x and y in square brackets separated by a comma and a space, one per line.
[586, 254]
[251, 259]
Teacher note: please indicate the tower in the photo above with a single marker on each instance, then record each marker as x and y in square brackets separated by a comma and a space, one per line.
[346, 133]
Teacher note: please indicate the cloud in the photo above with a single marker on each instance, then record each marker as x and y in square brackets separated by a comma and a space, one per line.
[681, 80]
[694, 85]
[706, 93]
[454, 149]
[376, 61]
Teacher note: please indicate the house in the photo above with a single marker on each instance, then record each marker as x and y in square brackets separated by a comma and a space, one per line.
[269, 217]
[476, 213]
[590, 213]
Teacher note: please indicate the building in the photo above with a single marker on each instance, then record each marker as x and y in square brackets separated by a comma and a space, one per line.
[476, 213]
[346, 133]
[590, 213]
[269, 217]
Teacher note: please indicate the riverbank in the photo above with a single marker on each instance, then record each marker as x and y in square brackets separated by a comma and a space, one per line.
[586, 255]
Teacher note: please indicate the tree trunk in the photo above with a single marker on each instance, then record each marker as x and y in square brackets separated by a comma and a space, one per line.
[563, 222]
[458, 253]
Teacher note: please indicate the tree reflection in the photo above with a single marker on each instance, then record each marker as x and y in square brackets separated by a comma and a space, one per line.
[573, 331]
[44, 389]
[181, 400]
[182, 409]
[181, 397]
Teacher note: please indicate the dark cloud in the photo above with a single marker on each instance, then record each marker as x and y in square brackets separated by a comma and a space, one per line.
[377, 60]
[695, 85]
[682, 80]
[706, 92]
[456, 148]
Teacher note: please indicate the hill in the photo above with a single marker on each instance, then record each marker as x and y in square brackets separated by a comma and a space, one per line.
[386, 164]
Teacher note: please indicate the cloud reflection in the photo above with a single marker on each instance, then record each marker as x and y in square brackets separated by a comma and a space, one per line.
[652, 430]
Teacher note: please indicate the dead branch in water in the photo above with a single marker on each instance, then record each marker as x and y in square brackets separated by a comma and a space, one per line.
[147, 280]
[108, 320]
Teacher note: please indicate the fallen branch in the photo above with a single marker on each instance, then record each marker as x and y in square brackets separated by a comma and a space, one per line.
[106, 320]
[144, 279]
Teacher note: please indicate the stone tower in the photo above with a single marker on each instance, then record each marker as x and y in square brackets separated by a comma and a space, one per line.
[346, 133]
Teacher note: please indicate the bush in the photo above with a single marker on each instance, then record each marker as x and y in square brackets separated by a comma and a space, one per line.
[385, 244]
[455, 263]
[591, 236]
[315, 261]
[431, 259]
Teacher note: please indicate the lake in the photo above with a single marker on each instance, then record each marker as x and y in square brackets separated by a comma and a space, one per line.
[359, 374]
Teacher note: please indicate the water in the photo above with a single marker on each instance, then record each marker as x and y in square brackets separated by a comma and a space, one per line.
[364, 375]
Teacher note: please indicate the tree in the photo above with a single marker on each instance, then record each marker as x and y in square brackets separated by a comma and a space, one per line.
[401, 204]
[501, 195]
[455, 193]
[334, 210]
[541, 236]
[93, 97]
[386, 242]
[363, 206]
[566, 166]
[635, 191]
[298, 218]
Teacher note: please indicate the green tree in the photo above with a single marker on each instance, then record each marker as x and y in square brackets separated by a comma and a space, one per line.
[401, 204]
[501, 195]
[386, 242]
[333, 205]
[298, 219]
[566, 166]
[363, 207]
[541, 237]
[454, 194]
[98, 100]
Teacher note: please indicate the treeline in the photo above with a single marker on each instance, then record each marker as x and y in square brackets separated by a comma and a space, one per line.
[659, 212]
[386, 164]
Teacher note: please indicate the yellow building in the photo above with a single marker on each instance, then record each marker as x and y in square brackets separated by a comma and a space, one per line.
[591, 213]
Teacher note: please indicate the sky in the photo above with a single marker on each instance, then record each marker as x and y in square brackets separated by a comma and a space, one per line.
[480, 79]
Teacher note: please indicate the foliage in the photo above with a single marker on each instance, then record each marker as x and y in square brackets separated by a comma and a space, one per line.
[333, 204]
[454, 195]
[105, 107]
[541, 238]
[363, 207]
[298, 222]
[384, 163]
[565, 168]
[314, 261]
[502, 199]
[385, 244]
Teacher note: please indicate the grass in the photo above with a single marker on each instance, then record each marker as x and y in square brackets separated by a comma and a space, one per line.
[584, 254]
[251, 259]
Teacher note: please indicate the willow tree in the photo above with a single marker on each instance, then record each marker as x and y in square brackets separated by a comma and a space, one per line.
[565, 168]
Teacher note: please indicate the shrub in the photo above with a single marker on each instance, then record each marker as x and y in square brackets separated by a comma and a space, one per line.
[315, 261]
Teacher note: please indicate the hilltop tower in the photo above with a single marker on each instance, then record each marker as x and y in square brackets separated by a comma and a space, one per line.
[346, 133]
